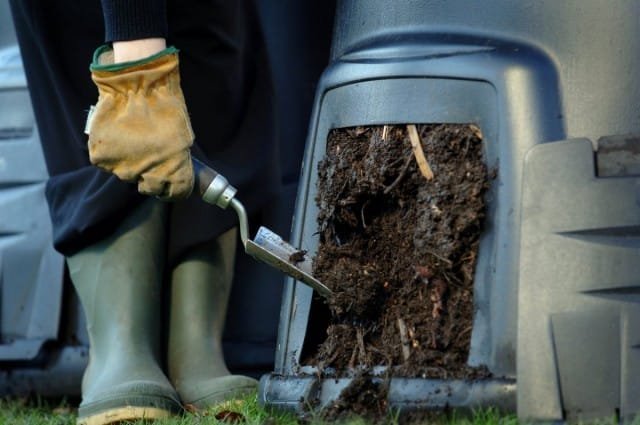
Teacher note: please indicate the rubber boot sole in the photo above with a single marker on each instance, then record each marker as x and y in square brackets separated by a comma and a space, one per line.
[128, 406]
[125, 414]
[224, 388]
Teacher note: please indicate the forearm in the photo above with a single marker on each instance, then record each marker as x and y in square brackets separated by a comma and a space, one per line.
[124, 51]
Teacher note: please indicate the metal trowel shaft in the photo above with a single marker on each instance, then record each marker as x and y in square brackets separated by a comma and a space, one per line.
[267, 246]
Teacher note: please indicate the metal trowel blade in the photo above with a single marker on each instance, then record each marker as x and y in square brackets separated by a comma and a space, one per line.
[271, 249]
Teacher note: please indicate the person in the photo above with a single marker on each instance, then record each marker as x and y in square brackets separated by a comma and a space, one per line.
[120, 244]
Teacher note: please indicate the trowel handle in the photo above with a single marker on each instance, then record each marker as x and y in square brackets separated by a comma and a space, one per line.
[212, 186]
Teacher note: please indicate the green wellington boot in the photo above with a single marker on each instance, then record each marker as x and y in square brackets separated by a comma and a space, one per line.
[118, 281]
[200, 290]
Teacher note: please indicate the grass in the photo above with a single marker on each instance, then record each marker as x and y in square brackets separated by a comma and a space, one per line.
[39, 412]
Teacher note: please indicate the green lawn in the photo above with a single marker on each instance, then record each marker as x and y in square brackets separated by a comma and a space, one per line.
[247, 411]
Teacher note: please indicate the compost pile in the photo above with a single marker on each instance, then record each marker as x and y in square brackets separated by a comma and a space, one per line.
[398, 246]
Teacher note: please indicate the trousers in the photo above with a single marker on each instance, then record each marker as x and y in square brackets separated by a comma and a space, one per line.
[227, 85]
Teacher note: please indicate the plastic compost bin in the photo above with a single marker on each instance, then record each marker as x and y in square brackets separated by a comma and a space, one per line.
[41, 347]
[555, 88]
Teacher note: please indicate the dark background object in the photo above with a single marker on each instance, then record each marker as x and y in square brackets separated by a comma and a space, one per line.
[43, 343]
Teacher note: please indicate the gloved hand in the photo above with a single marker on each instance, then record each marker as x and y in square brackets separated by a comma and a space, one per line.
[139, 129]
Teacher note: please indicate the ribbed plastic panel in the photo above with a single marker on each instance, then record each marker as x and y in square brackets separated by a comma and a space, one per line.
[30, 269]
[579, 298]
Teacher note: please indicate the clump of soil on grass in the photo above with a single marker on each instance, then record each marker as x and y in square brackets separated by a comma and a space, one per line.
[363, 397]
[398, 250]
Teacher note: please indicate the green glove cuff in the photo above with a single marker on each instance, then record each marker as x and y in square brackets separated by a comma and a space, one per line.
[107, 49]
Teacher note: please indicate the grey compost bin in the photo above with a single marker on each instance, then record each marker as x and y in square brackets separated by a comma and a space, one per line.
[41, 338]
[555, 88]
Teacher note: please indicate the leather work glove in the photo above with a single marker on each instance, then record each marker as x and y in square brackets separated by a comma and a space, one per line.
[139, 129]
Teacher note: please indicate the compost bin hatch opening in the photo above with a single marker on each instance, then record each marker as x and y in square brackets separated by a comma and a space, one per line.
[401, 209]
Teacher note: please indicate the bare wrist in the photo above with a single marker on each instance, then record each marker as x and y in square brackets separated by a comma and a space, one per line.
[126, 51]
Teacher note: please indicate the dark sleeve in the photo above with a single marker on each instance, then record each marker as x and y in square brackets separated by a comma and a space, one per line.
[133, 19]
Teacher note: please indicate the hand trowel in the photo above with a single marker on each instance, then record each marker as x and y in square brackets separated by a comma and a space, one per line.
[267, 246]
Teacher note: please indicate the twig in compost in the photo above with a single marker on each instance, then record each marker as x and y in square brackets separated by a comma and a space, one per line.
[364, 224]
[465, 331]
[433, 343]
[476, 131]
[439, 257]
[437, 298]
[385, 354]
[434, 371]
[385, 131]
[404, 339]
[416, 145]
[322, 364]
[363, 352]
[403, 171]
[352, 361]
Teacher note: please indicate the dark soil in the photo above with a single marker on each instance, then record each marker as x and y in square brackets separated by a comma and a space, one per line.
[364, 397]
[399, 250]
